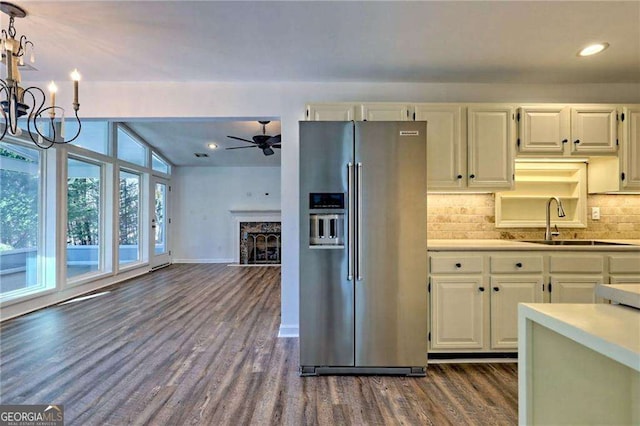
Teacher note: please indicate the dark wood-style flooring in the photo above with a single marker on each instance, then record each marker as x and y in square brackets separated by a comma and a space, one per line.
[197, 345]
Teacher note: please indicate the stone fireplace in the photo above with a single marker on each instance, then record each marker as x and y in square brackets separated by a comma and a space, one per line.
[256, 236]
[259, 243]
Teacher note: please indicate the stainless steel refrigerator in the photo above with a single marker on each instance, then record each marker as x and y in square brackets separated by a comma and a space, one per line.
[363, 248]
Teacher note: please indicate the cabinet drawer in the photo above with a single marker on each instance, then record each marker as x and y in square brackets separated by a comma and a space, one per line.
[456, 264]
[515, 264]
[576, 263]
[624, 264]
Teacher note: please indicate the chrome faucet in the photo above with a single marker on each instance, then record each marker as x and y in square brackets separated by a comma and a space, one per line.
[548, 235]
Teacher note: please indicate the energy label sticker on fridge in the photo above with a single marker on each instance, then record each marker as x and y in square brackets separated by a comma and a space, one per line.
[409, 133]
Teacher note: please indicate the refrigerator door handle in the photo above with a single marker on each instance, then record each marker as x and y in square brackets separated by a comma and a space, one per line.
[359, 221]
[350, 221]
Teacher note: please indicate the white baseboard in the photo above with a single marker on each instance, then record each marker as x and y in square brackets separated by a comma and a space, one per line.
[221, 260]
[289, 330]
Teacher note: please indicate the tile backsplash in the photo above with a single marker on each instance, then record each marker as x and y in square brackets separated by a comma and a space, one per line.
[472, 216]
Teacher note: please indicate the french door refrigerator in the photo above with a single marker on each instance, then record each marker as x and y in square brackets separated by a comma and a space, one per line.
[363, 248]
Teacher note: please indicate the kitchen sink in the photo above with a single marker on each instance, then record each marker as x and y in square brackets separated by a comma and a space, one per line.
[574, 243]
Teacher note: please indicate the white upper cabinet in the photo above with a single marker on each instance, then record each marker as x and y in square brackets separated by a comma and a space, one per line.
[446, 145]
[332, 112]
[560, 130]
[472, 147]
[490, 136]
[594, 130]
[385, 111]
[543, 130]
[631, 148]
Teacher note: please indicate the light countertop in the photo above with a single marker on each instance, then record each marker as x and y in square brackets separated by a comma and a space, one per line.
[625, 294]
[487, 245]
[612, 330]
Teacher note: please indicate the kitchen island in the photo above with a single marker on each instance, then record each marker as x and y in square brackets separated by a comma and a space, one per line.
[578, 364]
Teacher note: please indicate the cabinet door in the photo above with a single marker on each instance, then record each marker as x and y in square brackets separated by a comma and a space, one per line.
[593, 130]
[385, 112]
[506, 293]
[543, 130]
[446, 147]
[331, 112]
[575, 289]
[490, 155]
[631, 148]
[457, 312]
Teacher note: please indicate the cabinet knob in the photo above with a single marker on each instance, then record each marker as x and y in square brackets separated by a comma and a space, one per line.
[459, 176]
[472, 176]
[576, 141]
[519, 265]
[481, 288]
[496, 289]
[565, 140]
[458, 265]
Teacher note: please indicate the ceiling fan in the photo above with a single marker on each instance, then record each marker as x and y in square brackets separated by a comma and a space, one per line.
[263, 141]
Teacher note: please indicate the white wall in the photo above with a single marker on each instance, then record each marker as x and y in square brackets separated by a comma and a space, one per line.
[202, 198]
[286, 100]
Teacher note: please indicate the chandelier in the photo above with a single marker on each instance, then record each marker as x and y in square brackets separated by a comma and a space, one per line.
[45, 124]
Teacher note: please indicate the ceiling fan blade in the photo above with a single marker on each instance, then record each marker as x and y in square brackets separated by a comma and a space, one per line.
[276, 146]
[241, 147]
[274, 139]
[267, 151]
[240, 139]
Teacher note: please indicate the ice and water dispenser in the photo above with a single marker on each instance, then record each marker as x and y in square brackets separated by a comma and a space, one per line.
[326, 228]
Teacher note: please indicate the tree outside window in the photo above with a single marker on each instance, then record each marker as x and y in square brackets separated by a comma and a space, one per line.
[129, 217]
[19, 217]
[83, 217]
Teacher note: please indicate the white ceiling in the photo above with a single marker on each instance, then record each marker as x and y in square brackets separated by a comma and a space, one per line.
[179, 140]
[423, 41]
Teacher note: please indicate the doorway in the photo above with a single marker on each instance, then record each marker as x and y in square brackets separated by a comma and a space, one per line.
[160, 222]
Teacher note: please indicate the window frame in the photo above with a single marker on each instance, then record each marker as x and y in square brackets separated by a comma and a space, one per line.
[137, 139]
[105, 249]
[46, 283]
[141, 212]
[53, 204]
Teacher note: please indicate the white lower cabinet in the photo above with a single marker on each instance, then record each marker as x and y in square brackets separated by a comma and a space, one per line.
[575, 289]
[624, 268]
[457, 312]
[574, 276]
[506, 293]
[474, 295]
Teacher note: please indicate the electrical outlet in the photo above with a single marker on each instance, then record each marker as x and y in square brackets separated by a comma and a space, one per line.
[595, 213]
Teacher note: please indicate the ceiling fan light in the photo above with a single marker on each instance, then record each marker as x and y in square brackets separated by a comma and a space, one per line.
[212, 146]
[593, 49]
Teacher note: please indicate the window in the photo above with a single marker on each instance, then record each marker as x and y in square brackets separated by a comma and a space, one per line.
[94, 135]
[20, 221]
[159, 218]
[158, 164]
[131, 150]
[129, 244]
[84, 202]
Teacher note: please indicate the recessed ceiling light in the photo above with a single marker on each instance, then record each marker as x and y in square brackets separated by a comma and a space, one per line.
[212, 146]
[592, 49]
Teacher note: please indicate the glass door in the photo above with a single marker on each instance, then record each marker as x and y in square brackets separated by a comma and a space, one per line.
[160, 221]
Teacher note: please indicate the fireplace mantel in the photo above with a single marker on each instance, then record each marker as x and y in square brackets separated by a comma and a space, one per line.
[255, 212]
[239, 215]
